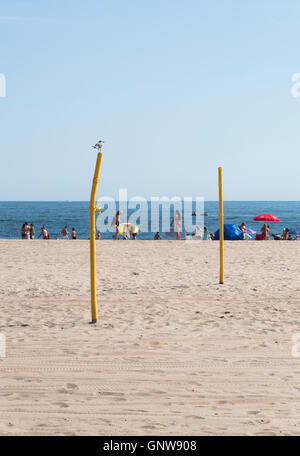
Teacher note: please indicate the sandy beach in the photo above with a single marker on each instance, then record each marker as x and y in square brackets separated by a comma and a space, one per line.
[173, 352]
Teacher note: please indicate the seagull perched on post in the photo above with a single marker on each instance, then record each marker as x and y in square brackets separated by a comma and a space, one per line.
[98, 145]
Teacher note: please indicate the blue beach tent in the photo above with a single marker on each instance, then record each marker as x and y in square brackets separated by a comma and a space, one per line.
[231, 233]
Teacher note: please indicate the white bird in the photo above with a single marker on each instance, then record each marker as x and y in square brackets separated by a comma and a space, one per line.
[98, 145]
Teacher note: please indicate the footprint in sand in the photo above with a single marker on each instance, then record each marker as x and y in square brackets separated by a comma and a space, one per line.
[61, 404]
[71, 386]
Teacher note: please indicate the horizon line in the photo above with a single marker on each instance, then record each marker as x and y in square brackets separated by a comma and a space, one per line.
[99, 199]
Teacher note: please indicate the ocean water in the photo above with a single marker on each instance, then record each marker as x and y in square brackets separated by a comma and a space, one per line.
[55, 215]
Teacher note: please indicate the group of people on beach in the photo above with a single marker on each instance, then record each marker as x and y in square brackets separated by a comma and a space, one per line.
[266, 233]
[285, 236]
[131, 229]
[28, 232]
[65, 233]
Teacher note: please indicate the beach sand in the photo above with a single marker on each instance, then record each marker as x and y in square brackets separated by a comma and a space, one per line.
[173, 352]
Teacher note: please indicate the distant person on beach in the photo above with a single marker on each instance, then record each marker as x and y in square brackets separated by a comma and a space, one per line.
[157, 236]
[44, 233]
[265, 231]
[32, 231]
[198, 233]
[212, 236]
[64, 232]
[205, 234]
[25, 231]
[98, 236]
[243, 229]
[74, 234]
[22, 231]
[130, 230]
[285, 234]
[115, 224]
[177, 224]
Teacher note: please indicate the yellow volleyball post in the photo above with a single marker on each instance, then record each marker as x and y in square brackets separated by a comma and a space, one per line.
[221, 225]
[92, 238]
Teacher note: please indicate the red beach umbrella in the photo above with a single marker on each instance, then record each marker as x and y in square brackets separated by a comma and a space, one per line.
[266, 218]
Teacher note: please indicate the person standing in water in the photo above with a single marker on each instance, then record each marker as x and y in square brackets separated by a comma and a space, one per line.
[32, 231]
[25, 230]
[22, 231]
[64, 232]
[74, 234]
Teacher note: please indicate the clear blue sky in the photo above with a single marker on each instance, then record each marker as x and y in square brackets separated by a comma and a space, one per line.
[175, 88]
